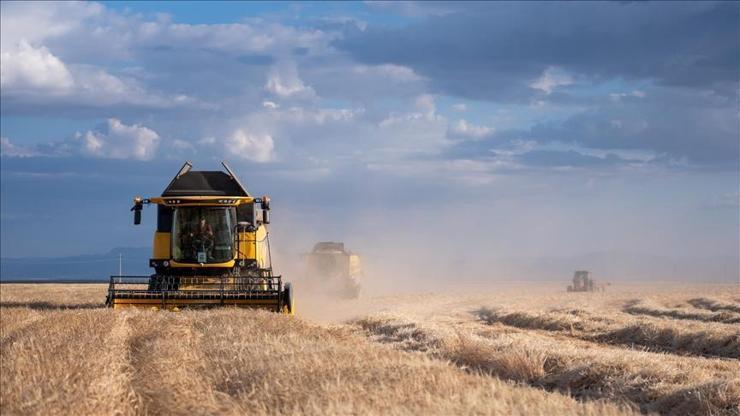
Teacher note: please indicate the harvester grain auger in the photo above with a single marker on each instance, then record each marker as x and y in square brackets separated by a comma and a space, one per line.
[211, 248]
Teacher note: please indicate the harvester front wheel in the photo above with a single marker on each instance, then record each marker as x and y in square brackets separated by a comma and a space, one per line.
[288, 305]
[154, 283]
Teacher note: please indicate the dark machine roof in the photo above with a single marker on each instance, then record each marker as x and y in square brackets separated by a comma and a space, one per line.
[328, 246]
[205, 183]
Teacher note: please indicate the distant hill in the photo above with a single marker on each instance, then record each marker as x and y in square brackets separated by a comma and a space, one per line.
[135, 261]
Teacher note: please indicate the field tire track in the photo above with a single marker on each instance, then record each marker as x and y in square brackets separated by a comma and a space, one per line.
[636, 307]
[714, 398]
[167, 359]
[649, 333]
[8, 335]
[319, 364]
[114, 384]
[715, 306]
[672, 341]
[82, 361]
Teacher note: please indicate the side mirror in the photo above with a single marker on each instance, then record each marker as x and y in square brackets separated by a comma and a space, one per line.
[138, 205]
[265, 216]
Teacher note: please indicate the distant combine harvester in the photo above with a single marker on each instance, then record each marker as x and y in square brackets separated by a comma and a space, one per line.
[583, 282]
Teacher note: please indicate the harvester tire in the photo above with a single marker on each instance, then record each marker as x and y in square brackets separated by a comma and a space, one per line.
[288, 305]
[154, 283]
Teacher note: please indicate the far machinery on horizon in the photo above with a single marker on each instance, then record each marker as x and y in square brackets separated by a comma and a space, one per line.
[332, 269]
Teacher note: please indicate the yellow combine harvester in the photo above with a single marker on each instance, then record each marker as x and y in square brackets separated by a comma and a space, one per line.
[332, 269]
[211, 248]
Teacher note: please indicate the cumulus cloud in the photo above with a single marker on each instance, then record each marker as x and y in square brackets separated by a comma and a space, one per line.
[662, 127]
[35, 22]
[669, 125]
[463, 129]
[12, 150]
[469, 52]
[425, 103]
[119, 141]
[391, 72]
[68, 45]
[33, 75]
[318, 116]
[25, 67]
[551, 78]
[283, 81]
[249, 146]
[426, 113]
[324, 106]
[278, 79]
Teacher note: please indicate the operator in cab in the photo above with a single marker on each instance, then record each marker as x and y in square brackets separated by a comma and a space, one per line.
[198, 241]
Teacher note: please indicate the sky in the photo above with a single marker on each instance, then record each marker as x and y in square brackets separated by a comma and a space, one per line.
[431, 133]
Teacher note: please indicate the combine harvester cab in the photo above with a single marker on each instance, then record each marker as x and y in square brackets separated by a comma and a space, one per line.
[211, 248]
[331, 269]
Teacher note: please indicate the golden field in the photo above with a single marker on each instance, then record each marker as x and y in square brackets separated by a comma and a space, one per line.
[524, 349]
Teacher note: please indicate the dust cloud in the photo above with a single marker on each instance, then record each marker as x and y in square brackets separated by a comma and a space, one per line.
[470, 247]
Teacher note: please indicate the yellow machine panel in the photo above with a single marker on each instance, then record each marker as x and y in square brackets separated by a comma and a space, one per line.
[254, 246]
[161, 246]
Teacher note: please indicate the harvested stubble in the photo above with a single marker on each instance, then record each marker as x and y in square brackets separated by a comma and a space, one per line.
[650, 382]
[675, 336]
[715, 305]
[99, 361]
[641, 307]
[236, 362]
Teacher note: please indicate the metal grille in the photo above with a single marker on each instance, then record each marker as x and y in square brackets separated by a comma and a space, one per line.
[211, 290]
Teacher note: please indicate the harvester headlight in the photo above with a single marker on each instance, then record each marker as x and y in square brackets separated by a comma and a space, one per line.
[166, 263]
[242, 263]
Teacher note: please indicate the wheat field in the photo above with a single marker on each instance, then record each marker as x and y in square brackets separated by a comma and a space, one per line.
[498, 349]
